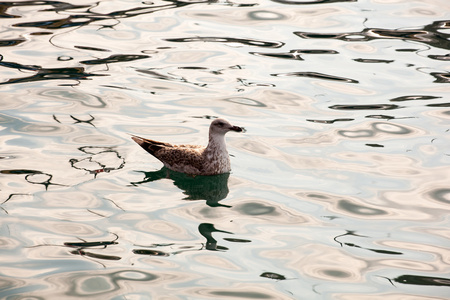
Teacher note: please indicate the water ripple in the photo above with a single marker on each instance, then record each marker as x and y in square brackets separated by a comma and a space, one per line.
[114, 59]
[431, 34]
[422, 280]
[317, 76]
[413, 97]
[74, 73]
[11, 42]
[366, 107]
[88, 17]
[227, 40]
[339, 187]
[306, 2]
[295, 54]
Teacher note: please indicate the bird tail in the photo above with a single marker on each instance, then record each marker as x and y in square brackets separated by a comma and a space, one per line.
[148, 145]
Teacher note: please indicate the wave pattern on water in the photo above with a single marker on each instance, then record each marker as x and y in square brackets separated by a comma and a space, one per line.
[248, 42]
[339, 187]
[432, 34]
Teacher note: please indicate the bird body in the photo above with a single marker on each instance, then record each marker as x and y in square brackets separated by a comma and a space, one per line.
[195, 159]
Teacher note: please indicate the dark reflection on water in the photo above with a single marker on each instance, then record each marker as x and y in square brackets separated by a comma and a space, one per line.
[114, 59]
[317, 76]
[99, 160]
[227, 40]
[72, 21]
[10, 197]
[81, 246]
[413, 97]
[150, 252]
[207, 230]
[235, 240]
[364, 107]
[302, 2]
[210, 188]
[439, 105]
[75, 73]
[386, 117]
[103, 244]
[95, 255]
[373, 61]
[295, 54]
[422, 280]
[375, 145]
[11, 42]
[354, 234]
[83, 19]
[91, 48]
[388, 252]
[272, 275]
[445, 57]
[172, 249]
[431, 34]
[77, 120]
[441, 77]
[33, 177]
[331, 121]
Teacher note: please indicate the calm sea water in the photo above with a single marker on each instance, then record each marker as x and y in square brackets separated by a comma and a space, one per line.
[340, 188]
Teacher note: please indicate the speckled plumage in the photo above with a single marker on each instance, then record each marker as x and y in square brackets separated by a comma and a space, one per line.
[195, 159]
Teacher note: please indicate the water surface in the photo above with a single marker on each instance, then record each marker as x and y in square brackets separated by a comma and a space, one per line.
[339, 189]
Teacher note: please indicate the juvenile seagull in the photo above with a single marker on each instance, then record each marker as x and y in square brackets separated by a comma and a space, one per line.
[195, 159]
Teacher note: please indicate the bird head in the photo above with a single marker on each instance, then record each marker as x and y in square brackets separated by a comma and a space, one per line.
[222, 126]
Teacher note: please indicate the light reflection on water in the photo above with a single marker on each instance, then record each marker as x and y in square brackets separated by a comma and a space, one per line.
[339, 187]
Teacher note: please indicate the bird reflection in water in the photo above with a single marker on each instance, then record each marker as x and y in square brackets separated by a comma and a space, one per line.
[210, 188]
[207, 229]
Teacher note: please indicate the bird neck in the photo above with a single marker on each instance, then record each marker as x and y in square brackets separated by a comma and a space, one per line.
[217, 142]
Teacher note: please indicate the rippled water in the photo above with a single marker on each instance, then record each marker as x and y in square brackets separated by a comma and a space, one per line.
[339, 189]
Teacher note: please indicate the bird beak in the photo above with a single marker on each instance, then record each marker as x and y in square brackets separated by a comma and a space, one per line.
[238, 129]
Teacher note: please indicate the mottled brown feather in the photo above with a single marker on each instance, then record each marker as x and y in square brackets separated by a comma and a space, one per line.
[175, 157]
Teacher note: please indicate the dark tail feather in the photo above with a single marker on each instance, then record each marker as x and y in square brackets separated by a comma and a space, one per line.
[150, 146]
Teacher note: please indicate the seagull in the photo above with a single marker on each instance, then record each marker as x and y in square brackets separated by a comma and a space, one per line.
[195, 159]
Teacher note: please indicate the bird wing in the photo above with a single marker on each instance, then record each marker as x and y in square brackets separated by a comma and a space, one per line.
[181, 158]
[150, 146]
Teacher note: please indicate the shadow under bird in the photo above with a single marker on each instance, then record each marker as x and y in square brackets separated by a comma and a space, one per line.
[195, 159]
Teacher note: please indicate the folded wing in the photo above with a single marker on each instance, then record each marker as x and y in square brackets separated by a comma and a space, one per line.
[180, 158]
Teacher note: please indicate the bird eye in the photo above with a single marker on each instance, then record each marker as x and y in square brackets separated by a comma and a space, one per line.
[221, 124]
